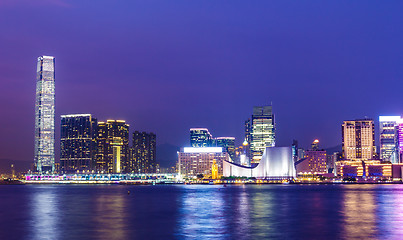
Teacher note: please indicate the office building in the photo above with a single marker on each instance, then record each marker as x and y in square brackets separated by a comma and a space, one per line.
[389, 138]
[227, 144]
[301, 153]
[112, 147]
[195, 161]
[200, 137]
[261, 131]
[144, 152]
[358, 140]
[77, 143]
[44, 157]
[314, 161]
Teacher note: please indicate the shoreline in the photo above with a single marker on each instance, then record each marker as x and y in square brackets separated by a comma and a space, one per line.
[17, 182]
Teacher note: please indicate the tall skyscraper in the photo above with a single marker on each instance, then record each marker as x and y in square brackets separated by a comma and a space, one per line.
[144, 152]
[200, 137]
[262, 131]
[358, 138]
[113, 136]
[77, 143]
[44, 159]
[389, 138]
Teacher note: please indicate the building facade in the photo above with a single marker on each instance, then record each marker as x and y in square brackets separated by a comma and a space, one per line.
[112, 135]
[195, 161]
[314, 161]
[144, 152]
[358, 139]
[200, 137]
[227, 144]
[389, 138]
[276, 163]
[78, 143]
[44, 156]
[262, 131]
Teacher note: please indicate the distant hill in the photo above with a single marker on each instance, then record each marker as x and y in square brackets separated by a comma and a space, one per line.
[331, 150]
[167, 155]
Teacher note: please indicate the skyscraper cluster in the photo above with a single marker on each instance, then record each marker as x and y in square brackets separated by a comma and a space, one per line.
[86, 145]
[359, 154]
[201, 137]
[259, 134]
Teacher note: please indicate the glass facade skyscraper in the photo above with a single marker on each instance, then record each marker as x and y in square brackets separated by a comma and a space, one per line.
[227, 144]
[200, 137]
[77, 142]
[44, 159]
[389, 138]
[262, 131]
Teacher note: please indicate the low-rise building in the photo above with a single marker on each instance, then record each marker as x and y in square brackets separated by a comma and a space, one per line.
[193, 161]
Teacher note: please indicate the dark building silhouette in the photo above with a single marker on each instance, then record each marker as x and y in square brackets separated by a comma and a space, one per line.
[77, 143]
[144, 152]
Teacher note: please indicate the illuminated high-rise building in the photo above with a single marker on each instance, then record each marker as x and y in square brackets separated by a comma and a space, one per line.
[113, 136]
[262, 131]
[227, 144]
[44, 159]
[144, 152]
[200, 137]
[77, 143]
[389, 138]
[358, 139]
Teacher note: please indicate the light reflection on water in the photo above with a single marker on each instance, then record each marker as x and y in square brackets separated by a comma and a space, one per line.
[359, 212]
[201, 212]
[111, 217]
[390, 212]
[45, 214]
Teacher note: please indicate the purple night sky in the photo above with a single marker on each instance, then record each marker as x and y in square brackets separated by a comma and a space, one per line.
[167, 66]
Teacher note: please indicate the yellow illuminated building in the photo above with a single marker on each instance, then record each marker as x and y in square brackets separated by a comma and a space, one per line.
[214, 170]
[371, 168]
[358, 138]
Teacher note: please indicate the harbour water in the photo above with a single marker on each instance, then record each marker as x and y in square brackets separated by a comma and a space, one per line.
[201, 211]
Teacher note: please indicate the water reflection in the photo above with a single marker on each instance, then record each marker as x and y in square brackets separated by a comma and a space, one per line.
[390, 213]
[262, 224]
[202, 213]
[45, 213]
[359, 212]
[242, 219]
[111, 216]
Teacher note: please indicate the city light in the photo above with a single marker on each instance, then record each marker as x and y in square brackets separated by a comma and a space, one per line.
[202, 150]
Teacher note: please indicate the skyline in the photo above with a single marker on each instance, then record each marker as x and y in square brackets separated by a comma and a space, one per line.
[165, 75]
